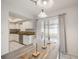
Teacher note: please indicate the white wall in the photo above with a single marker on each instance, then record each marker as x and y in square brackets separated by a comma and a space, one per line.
[71, 28]
[12, 26]
[4, 29]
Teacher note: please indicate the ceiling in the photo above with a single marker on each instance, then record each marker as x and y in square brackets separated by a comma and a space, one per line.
[29, 8]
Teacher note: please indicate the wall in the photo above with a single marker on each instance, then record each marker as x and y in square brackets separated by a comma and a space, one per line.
[12, 26]
[4, 28]
[71, 28]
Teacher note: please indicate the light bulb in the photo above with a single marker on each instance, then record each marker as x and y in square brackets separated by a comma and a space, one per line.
[44, 2]
[42, 15]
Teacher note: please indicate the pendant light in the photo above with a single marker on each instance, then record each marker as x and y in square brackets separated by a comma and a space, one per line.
[42, 14]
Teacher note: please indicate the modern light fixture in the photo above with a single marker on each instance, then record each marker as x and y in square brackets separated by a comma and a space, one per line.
[42, 14]
[45, 3]
[34, 1]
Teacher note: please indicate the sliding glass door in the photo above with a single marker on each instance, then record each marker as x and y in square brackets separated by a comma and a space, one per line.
[50, 29]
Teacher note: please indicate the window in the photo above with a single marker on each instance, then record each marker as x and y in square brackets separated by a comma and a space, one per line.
[53, 29]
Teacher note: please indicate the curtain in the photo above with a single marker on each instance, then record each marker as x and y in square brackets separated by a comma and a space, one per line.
[62, 34]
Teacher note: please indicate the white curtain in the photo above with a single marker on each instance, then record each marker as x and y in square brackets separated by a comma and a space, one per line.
[62, 34]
